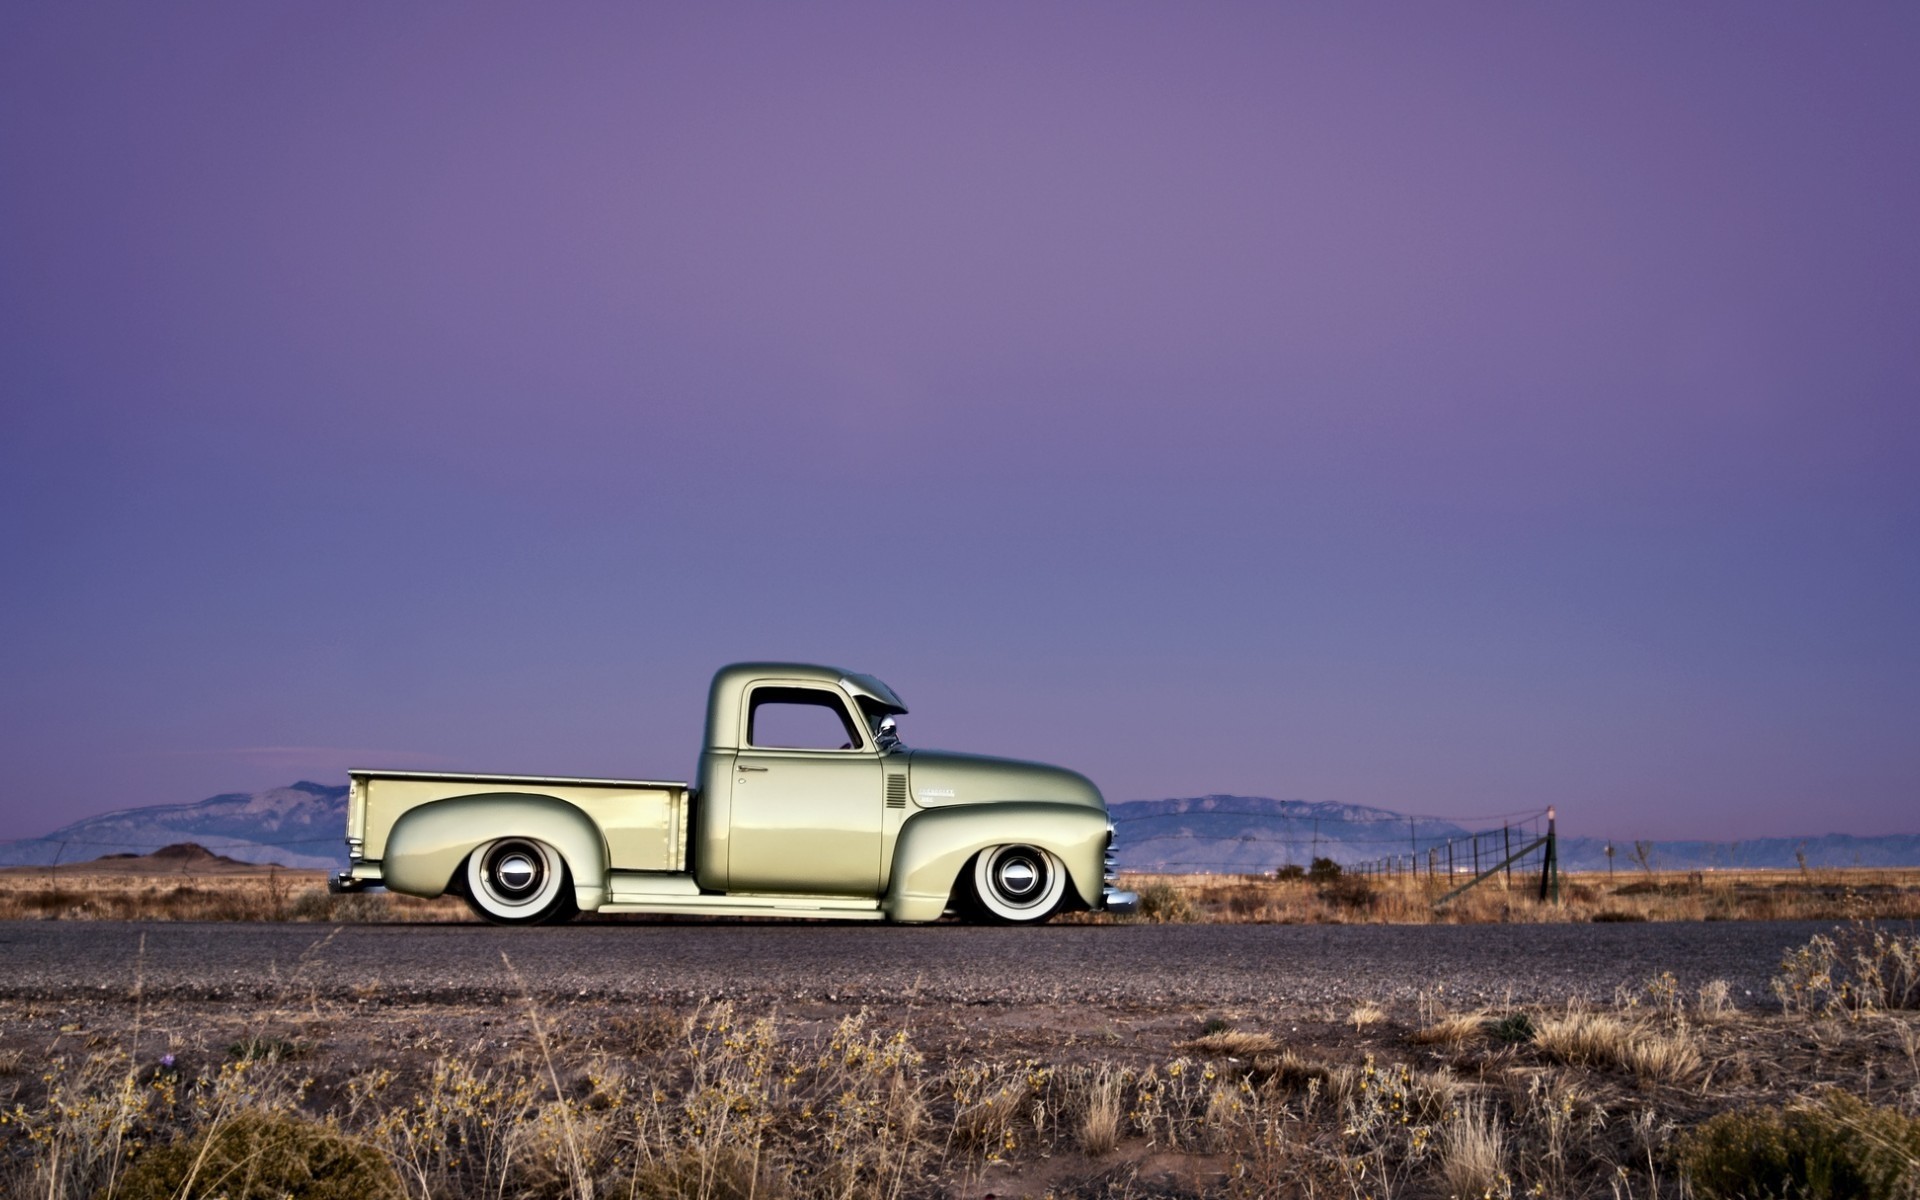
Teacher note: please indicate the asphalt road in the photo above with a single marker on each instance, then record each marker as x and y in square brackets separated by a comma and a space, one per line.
[1120, 965]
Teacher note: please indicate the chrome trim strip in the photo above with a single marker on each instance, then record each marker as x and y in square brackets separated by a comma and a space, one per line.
[648, 784]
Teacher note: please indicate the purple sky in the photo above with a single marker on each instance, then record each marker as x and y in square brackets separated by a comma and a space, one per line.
[1453, 408]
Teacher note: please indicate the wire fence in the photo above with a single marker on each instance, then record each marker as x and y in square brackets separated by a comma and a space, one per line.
[1447, 853]
[1388, 844]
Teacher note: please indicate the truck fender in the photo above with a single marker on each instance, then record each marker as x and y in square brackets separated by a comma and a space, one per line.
[935, 844]
[428, 843]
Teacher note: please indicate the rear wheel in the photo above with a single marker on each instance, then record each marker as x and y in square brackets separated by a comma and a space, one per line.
[1017, 885]
[519, 881]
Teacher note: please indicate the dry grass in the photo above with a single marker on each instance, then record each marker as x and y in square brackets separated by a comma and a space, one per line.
[1839, 895]
[1453, 1029]
[90, 892]
[1586, 1037]
[1473, 1152]
[709, 1101]
[1365, 1015]
[1103, 1122]
[261, 894]
[1237, 1043]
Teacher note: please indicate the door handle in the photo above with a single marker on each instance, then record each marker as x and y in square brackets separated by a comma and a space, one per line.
[746, 768]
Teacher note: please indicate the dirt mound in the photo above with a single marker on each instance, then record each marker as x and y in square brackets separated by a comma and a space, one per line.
[181, 858]
[186, 854]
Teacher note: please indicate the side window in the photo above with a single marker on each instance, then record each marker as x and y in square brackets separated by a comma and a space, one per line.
[799, 719]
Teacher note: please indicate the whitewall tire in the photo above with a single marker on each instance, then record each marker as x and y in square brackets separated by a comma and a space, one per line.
[1017, 884]
[519, 881]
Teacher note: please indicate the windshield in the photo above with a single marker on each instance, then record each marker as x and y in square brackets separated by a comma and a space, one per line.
[880, 720]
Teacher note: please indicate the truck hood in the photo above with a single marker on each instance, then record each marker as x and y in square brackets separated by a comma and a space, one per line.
[938, 778]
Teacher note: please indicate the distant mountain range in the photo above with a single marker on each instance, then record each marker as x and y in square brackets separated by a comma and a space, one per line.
[1253, 833]
[300, 826]
[304, 826]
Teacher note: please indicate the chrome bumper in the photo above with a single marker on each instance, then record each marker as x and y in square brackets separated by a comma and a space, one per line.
[359, 875]
[1112, 899]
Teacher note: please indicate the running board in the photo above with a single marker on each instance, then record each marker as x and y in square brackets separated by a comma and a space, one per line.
[744, 906]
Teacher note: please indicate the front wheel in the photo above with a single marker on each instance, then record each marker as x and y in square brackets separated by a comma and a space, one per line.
[519, 881]
[1017, 885]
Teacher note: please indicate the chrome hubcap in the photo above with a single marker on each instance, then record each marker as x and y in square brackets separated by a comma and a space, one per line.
[1018, 878]
[516, 871]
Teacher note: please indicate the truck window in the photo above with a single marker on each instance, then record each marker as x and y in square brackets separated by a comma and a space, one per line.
[781, 718]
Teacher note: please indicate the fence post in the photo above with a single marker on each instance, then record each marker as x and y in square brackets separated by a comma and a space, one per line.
[1476, 855]
[1550, 865]
[1506, 839]
[53, 868]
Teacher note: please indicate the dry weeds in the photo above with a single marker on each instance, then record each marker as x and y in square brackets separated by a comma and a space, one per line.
[1234, 1043]
[1103, 1122]
[1453, 1029]
[709, 1101]
[92, 892]
[1473, 1152]
[1834, 894]
[75, 893]
[1586, 1037]
[1365, 1015]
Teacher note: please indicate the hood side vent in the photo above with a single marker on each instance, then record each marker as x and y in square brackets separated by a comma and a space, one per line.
[896, 791]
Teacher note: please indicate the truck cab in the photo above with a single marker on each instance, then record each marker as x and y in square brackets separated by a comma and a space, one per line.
[792, 788]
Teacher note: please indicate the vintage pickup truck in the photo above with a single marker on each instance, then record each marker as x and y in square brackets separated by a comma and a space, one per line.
[807, 805]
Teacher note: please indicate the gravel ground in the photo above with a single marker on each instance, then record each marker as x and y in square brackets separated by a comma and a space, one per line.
[1121, 966]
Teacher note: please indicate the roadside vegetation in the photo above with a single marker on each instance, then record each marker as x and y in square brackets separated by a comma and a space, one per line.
[1330, 896]
[1661, 1092]
[74, 893]
[1325, 895]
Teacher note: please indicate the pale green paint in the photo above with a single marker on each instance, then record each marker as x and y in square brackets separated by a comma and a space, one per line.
[809, 833]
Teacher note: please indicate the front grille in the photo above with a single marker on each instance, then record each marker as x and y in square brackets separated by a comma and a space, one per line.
[896, 791]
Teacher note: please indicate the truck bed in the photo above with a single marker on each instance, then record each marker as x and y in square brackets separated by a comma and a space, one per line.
[644, 821]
